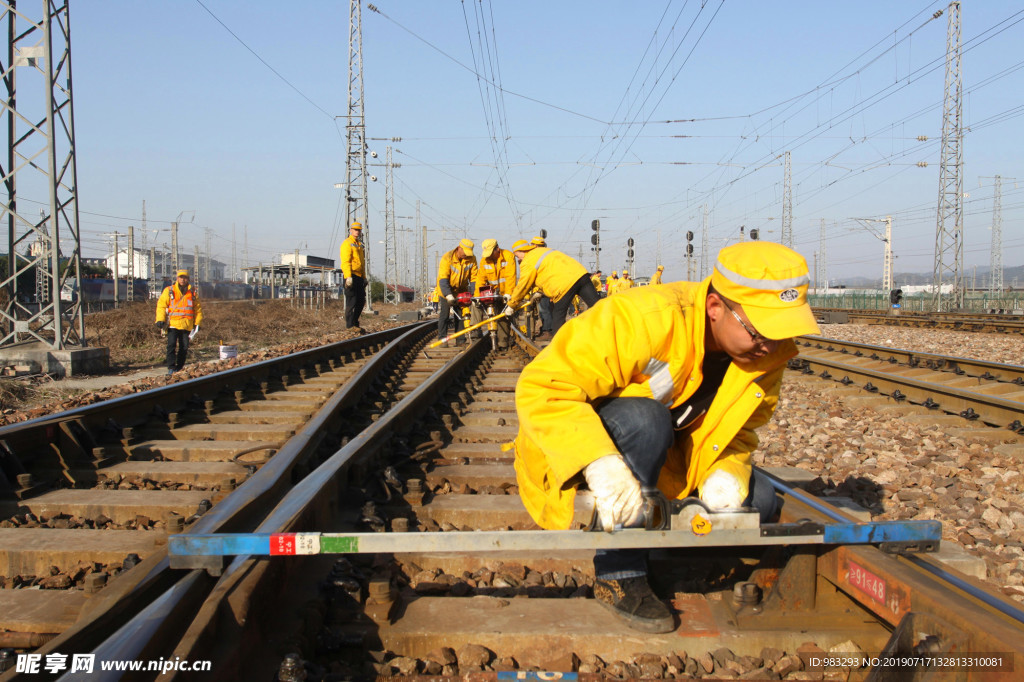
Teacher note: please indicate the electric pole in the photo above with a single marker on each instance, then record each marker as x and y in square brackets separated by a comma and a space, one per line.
[995, 277]
[887, 283]
[130, 282]
[704, 246]
[787, 206]
[355, 160]
[174, 250]
[390, 261]
[819, 274]
[40, 140]
[949, 241]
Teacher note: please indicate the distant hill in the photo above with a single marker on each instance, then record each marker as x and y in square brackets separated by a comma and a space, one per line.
[910, 278]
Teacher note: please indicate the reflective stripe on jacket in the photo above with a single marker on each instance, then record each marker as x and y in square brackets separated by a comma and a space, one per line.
[498, 273]
[352, 257]
[644, 342]
[181, 311]
[552, 271]
[455, 276]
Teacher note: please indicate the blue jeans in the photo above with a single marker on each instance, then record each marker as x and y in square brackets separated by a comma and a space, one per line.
[641, 429]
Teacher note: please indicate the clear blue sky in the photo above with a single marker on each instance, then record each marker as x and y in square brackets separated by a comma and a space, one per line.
[172, 109]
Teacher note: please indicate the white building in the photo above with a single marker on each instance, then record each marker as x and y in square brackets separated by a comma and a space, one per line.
[162, 266]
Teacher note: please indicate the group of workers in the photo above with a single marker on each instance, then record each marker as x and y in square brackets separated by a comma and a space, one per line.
[656, 390]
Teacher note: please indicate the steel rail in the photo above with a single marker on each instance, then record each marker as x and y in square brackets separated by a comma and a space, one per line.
[990, 409]
[982, 369]
[306, 497]
[124, 599]
[972, 322]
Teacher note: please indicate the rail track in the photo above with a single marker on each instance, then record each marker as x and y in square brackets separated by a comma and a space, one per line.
[926, 383]
[1004, 323]
[417, 448]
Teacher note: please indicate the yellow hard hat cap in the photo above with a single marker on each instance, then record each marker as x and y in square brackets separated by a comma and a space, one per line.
[182, 273]
[770, 281]
[523, 245]
[467, 246]
[488, 246]
[356, 226]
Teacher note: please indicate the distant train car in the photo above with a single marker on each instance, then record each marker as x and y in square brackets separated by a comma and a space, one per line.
[101, 290]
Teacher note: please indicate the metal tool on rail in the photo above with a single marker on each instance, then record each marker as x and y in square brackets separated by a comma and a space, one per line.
[471, 328]
[667, 523]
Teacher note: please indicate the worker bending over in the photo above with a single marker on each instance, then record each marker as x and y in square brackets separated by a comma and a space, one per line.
[656, 278]
[660, 387]
[455, 275]
[497, 271]
[556, 275]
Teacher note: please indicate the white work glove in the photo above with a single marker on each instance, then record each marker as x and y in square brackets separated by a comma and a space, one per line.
[722, 490]
[509, 311]
[536, 297]
[348, 281]
[616, 491]
[450, 298]
[506, 297]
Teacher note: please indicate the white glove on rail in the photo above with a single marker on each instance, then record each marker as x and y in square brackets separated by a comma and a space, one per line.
[450, 298]
[509, 311]
[722, 490]
[616, 491]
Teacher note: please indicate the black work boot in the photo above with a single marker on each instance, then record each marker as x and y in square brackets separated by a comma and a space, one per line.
[632, 600]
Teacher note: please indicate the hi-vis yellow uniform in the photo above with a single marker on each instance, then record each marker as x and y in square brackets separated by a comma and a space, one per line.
[609, 285]
[497, 272]
[656, 277]
[181, 311]
[597, 283]
[455, 274]
[551, 271]
[646, 342]
[352, 258]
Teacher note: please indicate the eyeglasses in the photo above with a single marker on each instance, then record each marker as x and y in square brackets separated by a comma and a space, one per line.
[755, 336]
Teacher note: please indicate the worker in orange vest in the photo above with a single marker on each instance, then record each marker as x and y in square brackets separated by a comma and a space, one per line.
[178, 309]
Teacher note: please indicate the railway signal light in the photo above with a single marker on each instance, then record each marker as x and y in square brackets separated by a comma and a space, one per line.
[753, 234]
[595, 225]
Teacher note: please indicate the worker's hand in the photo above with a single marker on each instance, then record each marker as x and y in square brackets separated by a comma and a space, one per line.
[348, 281]
[160, 325]
[509, 311]
[616, 491]
[450, 298]
[722, 490]
[196, 330]
[506, 297]
[536, 297]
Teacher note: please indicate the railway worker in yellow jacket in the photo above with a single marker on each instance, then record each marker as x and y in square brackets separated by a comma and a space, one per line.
[558, 276]
[456, 274]
[598, 285]
[661, 387]
[656, 277]
[178, 309]
[353, 268]
[609, 284]
[624, 283]
[497, 271]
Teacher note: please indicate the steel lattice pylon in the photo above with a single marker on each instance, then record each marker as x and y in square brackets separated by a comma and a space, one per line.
[355, 160]
[390, 260]
[787, 205]
[40, 163]
[949, 243]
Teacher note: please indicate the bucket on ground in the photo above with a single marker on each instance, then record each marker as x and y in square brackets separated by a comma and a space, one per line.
[228, 352]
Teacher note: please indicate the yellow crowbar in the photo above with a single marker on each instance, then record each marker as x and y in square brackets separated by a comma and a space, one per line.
[448, 338]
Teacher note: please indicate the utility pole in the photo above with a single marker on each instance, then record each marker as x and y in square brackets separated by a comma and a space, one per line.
[195, 266]
[234, 264]
[355, 160]
[40, 140]
[390, 262]
[704, 246]
[206, 265]
[130, 282]
[174, 250]
[949, 242]
[245, 246]
[995, 278]
[787, 206]
[145, 236]
[152, 264]
[819, 267]
[116, 268]
[887, 283]
[595, 240]
[424, 272]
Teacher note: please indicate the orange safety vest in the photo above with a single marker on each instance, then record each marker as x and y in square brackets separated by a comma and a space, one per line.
[180, 307]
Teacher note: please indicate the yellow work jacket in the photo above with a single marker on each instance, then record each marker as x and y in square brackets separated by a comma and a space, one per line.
[647, 342]
[597, 283]
[623, 284]
[455, 276]
[609, 285]
[353, 258]
[656, 277]
[181, 311]
[498, 272]
[551, 271]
